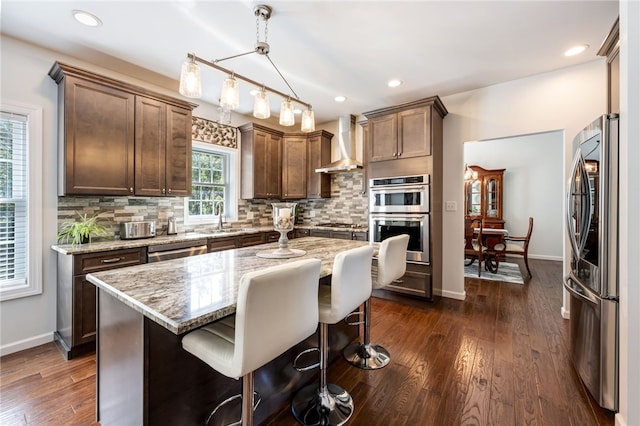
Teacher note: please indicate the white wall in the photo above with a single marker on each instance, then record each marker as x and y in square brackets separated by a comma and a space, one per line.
[532, 186]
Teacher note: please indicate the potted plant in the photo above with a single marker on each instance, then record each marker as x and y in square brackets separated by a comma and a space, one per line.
[79, 232]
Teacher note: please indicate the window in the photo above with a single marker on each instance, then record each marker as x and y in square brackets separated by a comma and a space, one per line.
[20, 201]
[213, 170]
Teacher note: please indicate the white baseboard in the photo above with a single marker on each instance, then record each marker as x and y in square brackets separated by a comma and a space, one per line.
[454, 294]
[21, 345]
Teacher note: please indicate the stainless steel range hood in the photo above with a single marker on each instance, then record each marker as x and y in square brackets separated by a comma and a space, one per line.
[347, 146]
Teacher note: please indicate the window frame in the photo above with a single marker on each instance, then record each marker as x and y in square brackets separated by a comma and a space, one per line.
[232, 178]
[34, 237]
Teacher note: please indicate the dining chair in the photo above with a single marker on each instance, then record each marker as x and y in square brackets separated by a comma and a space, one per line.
[473, 247]
[517, 246]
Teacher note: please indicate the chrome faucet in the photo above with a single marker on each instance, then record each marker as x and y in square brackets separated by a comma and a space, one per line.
[217, 210]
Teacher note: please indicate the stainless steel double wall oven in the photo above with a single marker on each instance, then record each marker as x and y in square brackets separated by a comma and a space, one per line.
[400, 205]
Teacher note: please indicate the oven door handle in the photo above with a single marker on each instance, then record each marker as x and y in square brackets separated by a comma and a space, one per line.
[383, 189]
[399, 216]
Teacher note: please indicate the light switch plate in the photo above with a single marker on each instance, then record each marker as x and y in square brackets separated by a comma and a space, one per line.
[450, 206]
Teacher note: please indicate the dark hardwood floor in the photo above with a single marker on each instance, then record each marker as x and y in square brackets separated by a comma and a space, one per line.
[498, 358]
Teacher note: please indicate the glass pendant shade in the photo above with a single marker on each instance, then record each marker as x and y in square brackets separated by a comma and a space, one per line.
[230, 96]
[261, 107]
[287, 117]
[308, 121]
[190, 81]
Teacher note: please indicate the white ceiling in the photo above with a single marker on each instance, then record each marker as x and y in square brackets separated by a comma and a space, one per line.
[327, 48]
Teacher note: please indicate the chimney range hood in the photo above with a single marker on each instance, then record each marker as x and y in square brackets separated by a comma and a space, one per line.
[347, 146]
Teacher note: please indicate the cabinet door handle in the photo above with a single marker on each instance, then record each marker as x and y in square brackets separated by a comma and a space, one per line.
[112, 260]
[163, 191]
[169, 191]
[131, 189]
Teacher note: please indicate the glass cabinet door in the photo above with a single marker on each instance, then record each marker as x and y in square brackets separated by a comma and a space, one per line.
[474, 198]
[492, 198]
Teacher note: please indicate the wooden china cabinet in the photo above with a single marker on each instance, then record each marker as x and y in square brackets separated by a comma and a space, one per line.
[483, 196]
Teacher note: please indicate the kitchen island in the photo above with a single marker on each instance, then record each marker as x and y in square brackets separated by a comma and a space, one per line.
[144, 376]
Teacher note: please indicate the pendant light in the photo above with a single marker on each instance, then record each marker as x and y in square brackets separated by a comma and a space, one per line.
[190, 81]
[230, 95]
[287, 117]
[190, 85]
[308, 121]
[261, 107]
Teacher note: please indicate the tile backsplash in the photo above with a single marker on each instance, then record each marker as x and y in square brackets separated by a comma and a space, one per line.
[347, 205]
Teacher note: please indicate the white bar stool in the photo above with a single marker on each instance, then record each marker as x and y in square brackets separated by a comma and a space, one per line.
[277, 308]
[329, 404]
[392, 264]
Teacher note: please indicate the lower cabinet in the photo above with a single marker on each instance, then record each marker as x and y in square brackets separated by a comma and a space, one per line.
[341, 235]
[76, 299]
[415, 282]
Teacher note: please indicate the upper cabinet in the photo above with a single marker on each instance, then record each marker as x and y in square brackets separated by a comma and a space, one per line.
[261, 157]
[611, 49]
[319, 154]
[483, 196]
[403, 131]
[294, 166]
[162, 168]
[278, 165]
[119, 139]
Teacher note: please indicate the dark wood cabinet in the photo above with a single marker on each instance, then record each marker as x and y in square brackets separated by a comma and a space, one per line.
[365, 156]
[261, 156]
[163, 149]
[294, 166]
[277, 165]
[484, 196]
[416, 281]
[301, 233]
[401, 134]
[342, 235]
[119, 139]
[319, 154]
[611, 49]
[96, 138]
[76, 297]
[404, 139]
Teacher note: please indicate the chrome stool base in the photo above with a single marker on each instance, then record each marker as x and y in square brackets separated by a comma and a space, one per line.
[331, 406]
[366, 357]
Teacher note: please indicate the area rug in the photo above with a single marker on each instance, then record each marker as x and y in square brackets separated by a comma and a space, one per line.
[507, 272]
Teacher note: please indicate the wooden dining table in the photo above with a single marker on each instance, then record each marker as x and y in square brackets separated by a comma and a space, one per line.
[491, 237]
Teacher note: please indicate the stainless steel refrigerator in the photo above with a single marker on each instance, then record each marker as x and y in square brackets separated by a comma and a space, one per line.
[592, 215]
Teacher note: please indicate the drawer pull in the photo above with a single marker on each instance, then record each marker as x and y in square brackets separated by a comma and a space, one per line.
[113, 260]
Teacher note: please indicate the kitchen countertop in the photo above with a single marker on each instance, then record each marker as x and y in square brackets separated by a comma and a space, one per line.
[184, 294]
[118, 244]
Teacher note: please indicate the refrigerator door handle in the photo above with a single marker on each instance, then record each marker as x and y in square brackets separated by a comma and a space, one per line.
[573, 287]
[571, 192]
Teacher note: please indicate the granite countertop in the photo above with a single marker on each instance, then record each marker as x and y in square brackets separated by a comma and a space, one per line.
[118, 244]
[184, 294]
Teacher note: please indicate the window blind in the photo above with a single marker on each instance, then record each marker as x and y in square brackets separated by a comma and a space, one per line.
[13, 199]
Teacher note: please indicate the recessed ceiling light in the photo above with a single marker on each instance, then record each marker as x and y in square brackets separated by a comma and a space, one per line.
[575, 50]
[340, 98]
[394, 83]
[87, 18]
